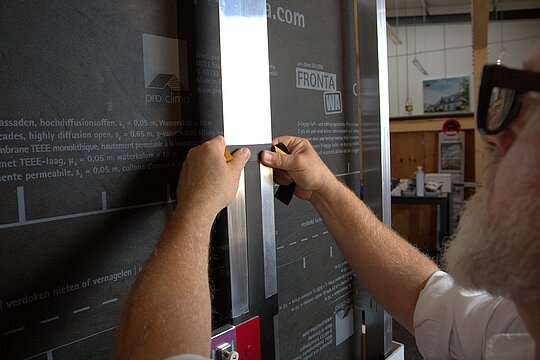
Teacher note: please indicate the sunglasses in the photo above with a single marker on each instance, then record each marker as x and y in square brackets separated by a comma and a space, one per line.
[501, 93]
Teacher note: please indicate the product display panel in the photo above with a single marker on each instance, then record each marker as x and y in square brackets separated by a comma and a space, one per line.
[100, 104]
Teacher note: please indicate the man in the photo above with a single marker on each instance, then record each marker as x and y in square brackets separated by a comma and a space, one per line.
[496, 249]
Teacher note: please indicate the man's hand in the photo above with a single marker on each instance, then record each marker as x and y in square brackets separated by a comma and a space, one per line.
[207, 180]
[168, 311]
[303, 166]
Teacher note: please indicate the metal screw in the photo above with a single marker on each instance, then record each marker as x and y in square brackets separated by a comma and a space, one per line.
[225, 352]
[231, 355]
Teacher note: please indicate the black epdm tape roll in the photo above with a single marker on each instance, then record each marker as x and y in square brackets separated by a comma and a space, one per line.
[284, 193]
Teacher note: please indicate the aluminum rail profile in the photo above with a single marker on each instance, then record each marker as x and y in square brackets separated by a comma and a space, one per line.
[237, 229]
[268, 231]
[247, 123]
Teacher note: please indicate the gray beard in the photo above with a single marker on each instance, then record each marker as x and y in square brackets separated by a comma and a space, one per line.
[494, 249]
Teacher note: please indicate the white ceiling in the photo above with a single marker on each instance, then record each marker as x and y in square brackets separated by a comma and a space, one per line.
[447, 7]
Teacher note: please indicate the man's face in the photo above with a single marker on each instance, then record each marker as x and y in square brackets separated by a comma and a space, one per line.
[497, 245]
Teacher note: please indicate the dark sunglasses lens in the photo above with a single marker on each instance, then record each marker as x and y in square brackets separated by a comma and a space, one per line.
[500, 105]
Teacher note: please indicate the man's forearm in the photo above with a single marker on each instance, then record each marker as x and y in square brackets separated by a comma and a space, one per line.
[391, 269]
[168, 311]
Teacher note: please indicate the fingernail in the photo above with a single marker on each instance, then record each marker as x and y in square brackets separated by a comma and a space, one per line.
[245, 153]
[267, 156]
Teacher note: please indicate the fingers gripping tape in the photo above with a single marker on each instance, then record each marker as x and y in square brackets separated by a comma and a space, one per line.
[284, 193]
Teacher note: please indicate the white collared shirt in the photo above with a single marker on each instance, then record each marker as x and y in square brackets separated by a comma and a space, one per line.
[453, 323]
[187, 357]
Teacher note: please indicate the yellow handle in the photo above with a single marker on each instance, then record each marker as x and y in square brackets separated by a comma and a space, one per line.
[228, 155]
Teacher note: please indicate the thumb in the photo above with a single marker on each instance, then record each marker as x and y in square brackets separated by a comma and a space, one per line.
[276, 160]
[240, 158]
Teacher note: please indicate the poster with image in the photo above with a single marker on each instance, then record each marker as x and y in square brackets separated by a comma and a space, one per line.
[451, 156]
[447, 95]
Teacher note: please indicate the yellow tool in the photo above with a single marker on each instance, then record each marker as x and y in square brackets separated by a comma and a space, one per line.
[280, 149]
[228, 155]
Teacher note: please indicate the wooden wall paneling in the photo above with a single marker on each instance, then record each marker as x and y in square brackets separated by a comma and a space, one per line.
[417, 223]
[408, 150]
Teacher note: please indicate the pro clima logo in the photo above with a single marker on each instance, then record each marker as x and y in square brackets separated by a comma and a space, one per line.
[165, 63]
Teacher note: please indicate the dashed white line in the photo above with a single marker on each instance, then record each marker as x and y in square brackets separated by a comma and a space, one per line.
[280, 247]
[304, 261]
[49, 319]
[349, 173]
[109, 301]
[70, 343]
[342, 296]
[304, 239]
[14, 331]
[331, 252]
[81, 309]
[293, 243]
[325, 232]
[314, 236]
[83, 214]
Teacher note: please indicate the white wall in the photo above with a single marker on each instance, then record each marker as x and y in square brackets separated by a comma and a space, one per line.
[446, 51]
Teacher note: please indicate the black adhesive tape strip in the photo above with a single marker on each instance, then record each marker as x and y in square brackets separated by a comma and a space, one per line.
[282, 147]
[284, 193]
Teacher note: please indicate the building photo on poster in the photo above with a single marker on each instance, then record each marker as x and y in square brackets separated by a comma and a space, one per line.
[447, 95]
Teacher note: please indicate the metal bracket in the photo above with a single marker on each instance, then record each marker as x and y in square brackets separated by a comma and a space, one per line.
[223, 344]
